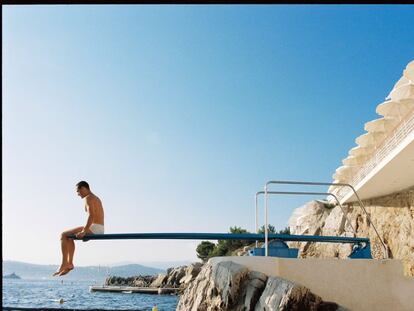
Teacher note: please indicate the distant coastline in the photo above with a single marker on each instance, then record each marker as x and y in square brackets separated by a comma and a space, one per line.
[95, 273]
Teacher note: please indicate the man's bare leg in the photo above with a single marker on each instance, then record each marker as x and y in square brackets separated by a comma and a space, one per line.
[68, 249]
[71, 251]
[64, 249]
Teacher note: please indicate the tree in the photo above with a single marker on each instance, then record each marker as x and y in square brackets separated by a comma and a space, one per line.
[270, 229]
[226, 247]
[285, 231]
[235, 244]
[205, 249]
[221, 249]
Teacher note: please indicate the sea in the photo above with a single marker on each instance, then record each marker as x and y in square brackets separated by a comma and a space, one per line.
[76, 295]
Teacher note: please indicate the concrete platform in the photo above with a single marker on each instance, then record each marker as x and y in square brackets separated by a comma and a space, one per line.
[356, 284]
[133, 289]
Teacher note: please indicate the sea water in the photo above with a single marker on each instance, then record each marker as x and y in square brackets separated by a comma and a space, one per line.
[76, 295]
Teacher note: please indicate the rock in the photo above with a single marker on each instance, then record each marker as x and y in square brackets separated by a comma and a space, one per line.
[392, 215]
[174, 276]
[314, 218]
[11, 276]
[228, 286]
[228, 277]
[159, 280]
[178, 277]
[254, 288]
[308, 218]
[244, 251]
[216, 287]
[281, 294]
[138, 281]
[108, 281]
[191, 272]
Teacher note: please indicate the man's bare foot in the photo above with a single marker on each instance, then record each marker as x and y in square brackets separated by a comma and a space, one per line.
[66, 270]
[58, 271]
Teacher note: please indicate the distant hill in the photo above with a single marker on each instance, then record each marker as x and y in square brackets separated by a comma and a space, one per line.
[164, 265]
[92, 273]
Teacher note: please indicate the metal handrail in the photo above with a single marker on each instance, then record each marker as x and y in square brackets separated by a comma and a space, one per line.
[315, 184]
[298, 193]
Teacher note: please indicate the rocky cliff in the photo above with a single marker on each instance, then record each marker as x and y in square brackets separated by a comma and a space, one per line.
[229, 286]
[392, 215]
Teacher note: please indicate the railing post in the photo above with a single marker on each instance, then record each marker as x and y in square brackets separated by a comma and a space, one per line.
[266, 223]
[256, 216]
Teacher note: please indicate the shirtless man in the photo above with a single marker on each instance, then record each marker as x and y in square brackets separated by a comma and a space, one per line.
[94, 225]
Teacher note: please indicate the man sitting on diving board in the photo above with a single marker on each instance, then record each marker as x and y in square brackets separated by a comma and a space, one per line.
[94, 225]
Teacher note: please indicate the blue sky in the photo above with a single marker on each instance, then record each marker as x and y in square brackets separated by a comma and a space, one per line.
[177, 115]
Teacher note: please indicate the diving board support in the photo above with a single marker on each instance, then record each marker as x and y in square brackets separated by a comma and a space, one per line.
[284, 182]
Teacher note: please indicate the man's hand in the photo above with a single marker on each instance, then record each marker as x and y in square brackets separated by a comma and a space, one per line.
[80, 235]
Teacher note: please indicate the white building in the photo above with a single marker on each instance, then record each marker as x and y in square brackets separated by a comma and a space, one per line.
[383, 160]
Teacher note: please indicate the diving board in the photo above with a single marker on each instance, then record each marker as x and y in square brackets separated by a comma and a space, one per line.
[220, 236]
[361, 246]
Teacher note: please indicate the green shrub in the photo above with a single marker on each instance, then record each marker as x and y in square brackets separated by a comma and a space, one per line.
[206, 250]
[270, 229]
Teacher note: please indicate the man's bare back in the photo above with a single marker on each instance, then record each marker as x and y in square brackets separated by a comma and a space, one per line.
[93, 206]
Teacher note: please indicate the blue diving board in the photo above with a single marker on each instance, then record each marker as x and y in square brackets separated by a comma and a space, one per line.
[220, 236]
[277, 247]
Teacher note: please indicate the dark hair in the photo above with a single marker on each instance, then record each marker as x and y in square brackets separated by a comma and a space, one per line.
[82, 184]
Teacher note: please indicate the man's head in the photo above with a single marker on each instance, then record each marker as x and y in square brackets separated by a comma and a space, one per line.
[82, 188]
